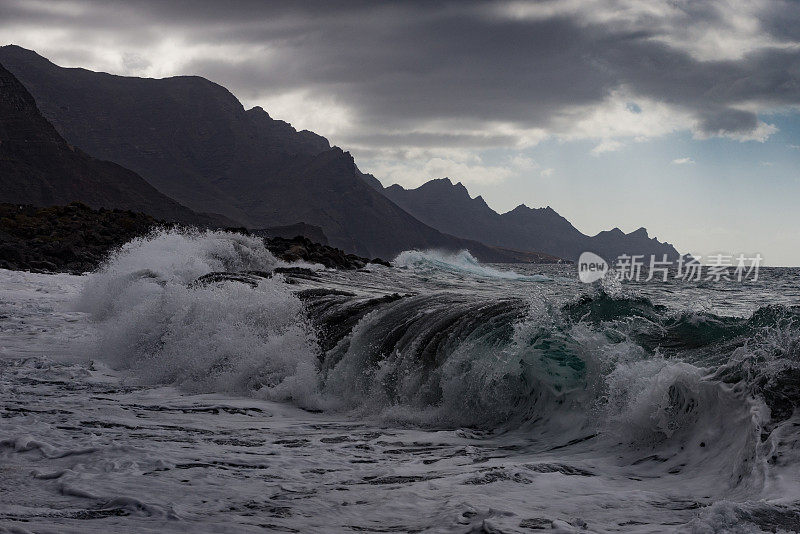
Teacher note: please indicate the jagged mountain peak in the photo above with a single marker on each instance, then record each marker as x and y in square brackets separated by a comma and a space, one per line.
[16, 49]
[520, 208]
[442, 193]
[525, 209]
[193, 140]
[640, 233]
[442, 204]
[446, 186]
[480, 201]
[260, 110]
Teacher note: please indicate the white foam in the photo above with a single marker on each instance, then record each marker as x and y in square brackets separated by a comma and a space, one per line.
[169, 257]
[84, 452]
[456, 263]
[226, 337]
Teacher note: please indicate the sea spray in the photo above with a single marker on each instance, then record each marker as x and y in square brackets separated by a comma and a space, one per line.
[548, 398]
[590, 367]
[173, 256]
[224, 337]
[460, 263]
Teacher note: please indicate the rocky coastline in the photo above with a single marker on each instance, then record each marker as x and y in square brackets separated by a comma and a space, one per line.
[76, 239]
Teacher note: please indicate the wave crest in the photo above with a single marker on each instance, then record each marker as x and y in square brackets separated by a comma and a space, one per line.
[618, 367]
[225, 337]
[456, 263]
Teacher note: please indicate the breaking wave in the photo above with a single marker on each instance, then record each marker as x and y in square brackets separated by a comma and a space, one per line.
[460, 263]
[668, 392]
[224, 336]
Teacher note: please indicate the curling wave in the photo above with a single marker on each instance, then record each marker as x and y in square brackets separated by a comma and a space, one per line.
[667, 392]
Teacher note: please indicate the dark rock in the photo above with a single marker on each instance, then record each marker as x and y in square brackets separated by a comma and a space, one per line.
[310, 231]
[10, 254]
[65, 238]
[77, 238]
[379, 261]
[301, 248]
[217, 277]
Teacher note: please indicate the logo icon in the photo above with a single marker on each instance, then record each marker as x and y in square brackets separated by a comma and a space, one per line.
[591, 267]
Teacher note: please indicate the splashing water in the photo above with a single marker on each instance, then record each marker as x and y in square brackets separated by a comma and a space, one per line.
[223, 337]
[508, 405]
[461, 263]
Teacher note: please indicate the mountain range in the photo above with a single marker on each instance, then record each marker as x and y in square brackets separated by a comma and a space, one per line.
[192, 141]
[37, 166]
[449, 207]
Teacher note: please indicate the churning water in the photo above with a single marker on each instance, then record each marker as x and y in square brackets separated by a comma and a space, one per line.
[441, 395]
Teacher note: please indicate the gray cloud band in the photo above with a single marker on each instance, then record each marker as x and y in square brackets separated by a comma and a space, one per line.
[397, 66]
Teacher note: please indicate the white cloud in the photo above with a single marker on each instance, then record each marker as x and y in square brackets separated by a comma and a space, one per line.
[316, 96]
[683, 161]
[523, 163]
[622, 117]
[730, 29]
[607, 145]
[547, 172]
[615, 118]
[415, 171]
[324, 116]
[735, 32]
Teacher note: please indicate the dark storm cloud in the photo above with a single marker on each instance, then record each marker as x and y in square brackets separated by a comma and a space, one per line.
[454, 67]
[396, 65]
[422, 139]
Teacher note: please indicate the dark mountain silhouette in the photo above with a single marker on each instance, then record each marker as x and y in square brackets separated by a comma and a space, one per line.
[193, 140]
[449, 208]
[38, 167]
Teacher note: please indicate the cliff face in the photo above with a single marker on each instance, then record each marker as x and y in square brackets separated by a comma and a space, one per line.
[37, 166]
[194, 141]
[449, 208]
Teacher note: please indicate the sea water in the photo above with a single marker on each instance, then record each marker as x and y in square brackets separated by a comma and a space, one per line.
[440, 395]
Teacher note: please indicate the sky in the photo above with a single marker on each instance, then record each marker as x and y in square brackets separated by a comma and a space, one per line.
[680, 116]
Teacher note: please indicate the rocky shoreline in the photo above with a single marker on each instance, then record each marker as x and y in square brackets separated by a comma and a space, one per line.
[72, 238]
[301, 248]
[76, 238]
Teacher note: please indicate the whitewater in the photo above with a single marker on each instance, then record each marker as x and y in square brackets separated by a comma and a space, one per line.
[196, 383]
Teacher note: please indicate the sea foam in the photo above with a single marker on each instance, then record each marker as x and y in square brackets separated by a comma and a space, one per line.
[223, 337]
[459, 263]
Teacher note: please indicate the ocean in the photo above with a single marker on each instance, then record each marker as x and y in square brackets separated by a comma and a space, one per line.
[439, 395]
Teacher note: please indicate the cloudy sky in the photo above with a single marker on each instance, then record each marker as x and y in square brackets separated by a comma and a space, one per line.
[682, 116]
